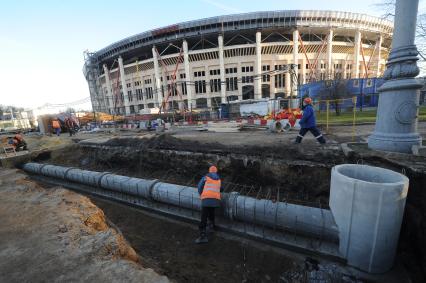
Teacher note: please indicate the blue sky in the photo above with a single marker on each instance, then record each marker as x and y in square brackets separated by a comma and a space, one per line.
[42, 42]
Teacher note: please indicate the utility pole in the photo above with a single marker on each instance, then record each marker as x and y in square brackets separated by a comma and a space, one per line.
[396, 122]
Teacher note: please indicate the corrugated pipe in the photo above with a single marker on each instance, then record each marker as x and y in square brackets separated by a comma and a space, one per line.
[277, 215]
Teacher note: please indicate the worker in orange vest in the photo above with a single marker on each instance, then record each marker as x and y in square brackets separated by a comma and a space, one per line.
[209, 189]
[56, 126]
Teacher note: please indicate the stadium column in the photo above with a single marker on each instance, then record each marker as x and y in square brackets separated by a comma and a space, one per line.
[357, 46]
[258, 67]
[157, 90]
[187, 75]
[296, 58]
[109, 94]
[287, 84]
[379, 54]
[124, 86]
[222, 69]
[240, 84]
[329, 54]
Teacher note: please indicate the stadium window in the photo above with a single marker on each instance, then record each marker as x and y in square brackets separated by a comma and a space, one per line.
[279, 81]
[215, 85]
[232, 84]
[148, 92]
[200, 86]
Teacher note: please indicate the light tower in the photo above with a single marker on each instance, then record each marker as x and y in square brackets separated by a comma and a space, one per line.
[396, 122]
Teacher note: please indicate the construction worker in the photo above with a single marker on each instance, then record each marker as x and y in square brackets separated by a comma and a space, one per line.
[56, 126]
[19, 142]
[70, 126]
[209, 189]
[308, 123]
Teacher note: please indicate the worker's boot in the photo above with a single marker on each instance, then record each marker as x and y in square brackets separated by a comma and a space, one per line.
[210, 228]
[298, 140]
[321, 139]
[202, 239]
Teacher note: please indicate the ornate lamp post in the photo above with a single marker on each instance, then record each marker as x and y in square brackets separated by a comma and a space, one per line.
[396, 123]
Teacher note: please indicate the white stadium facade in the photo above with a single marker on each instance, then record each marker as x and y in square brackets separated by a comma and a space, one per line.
[262, 55]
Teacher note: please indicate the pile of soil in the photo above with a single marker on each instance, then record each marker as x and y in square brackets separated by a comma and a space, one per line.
[289, 151]
[57, 235]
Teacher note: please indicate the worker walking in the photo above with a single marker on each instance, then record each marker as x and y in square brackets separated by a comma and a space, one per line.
[209, 189]
[56, 126]
[308, 123]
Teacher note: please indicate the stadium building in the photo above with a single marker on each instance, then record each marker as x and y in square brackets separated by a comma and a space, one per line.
[263, 55]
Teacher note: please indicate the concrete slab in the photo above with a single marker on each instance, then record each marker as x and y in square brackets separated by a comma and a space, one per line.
[15, 160]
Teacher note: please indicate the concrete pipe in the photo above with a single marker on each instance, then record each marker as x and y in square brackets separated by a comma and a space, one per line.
[292, 217]
[176, 195]
[128, 185]
[307, 220]
[83, 176]
[276, 127]
[286, 126]
[368, 205]
[32, 167]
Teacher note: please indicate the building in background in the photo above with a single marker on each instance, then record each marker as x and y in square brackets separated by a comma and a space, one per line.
[201, 64]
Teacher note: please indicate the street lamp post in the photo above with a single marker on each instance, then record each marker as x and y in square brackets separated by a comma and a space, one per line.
[396, 122]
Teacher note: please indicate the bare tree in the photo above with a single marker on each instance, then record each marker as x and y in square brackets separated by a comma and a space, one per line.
[388, 12]
[334, 90]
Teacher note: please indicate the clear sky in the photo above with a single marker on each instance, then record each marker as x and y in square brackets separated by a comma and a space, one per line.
[42, 42]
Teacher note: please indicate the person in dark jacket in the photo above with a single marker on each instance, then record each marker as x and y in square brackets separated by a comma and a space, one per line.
[209, 189]
[308, 123]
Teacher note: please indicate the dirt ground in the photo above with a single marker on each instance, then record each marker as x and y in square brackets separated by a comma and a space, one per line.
[165, 246]
[168, 247]
[56, 235]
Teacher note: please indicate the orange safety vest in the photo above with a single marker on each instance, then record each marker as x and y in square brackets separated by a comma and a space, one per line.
[55, 124]
[211, 189]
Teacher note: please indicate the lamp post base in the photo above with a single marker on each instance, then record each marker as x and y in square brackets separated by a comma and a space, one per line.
[401, 143]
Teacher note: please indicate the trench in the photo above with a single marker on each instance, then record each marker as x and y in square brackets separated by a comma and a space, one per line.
[276, 174]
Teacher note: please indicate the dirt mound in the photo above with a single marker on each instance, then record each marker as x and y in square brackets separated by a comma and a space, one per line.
[330, 154]
[57, 235]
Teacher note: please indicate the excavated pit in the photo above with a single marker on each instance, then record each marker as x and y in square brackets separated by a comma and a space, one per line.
[272, 173]
[285, 173]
